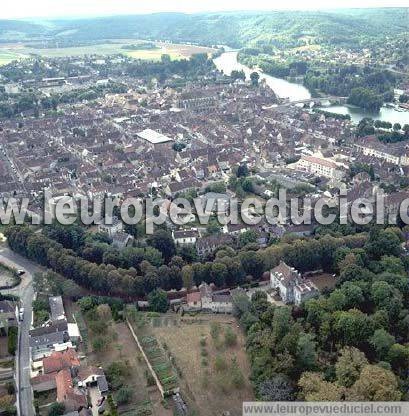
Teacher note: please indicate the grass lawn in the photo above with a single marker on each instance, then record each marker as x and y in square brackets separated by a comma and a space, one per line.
[205, 364]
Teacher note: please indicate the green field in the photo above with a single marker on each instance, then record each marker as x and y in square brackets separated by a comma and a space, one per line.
[175, 51]
[7, 56]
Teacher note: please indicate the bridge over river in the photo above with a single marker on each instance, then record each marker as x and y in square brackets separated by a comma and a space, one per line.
[314, 101]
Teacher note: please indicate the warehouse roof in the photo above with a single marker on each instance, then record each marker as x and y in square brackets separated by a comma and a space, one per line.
[153, 136]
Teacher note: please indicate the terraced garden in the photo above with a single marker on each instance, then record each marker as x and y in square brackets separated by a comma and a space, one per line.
[160, 364]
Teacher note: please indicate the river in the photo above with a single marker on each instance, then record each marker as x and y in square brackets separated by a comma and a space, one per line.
[357, 113]
[227, 62]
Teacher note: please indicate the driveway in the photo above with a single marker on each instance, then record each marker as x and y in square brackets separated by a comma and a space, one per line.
[94, 395]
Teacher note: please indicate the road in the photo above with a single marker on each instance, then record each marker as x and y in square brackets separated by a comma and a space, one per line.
[26, 293]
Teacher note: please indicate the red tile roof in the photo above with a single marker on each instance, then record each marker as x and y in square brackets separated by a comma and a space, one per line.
[59, 360]
[64, 384]
[73, 400]
[193, 297]
[42, 378]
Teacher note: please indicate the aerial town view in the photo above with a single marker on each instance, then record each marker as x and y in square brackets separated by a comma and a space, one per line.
[204, 208]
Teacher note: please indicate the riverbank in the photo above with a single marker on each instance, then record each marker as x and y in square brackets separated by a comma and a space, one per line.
[227, 62]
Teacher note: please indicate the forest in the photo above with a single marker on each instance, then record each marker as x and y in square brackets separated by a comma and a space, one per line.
[354, 27]
[365, 87]
[349, 344]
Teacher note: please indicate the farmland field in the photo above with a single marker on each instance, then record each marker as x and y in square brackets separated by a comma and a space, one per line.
[7, 56]
[9, 52]
[206, 364]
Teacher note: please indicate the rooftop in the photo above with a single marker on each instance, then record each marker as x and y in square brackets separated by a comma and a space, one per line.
[57, 308]
[60, 360]
[153, 136]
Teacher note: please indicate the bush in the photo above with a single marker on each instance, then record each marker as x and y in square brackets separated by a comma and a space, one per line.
[97, 327]
[220, 364]
[113, 411]
[10, 387]
[117, 373]
[237, 378]
[215, 330]
[12, 340]
[219, 344]
[230, 338]
[124, 395]
[158, 301]
[40, 304]
[99, 344]
[41, 316]
[56, 409]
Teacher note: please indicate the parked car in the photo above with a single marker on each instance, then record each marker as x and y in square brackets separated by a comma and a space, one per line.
[102, 408]
[21, 314]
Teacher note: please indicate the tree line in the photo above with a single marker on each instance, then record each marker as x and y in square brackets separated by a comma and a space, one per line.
[136, 271]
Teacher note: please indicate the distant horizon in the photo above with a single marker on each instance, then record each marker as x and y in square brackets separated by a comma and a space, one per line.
[83, 9]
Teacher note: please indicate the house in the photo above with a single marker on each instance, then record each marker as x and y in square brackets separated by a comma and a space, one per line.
[215, 302]
[206, 299]
[111, 229]
[185, 237]
[154, 140]
[235, 229]
[122, 240]
[57, 326]
[46, 339]
[73, 397]
[7, 315]
[394, 153]
[207, 245]
[43, 382]
[74, 333]
[92, 376]
[56, 308]
[290, 285]
[174, 188]
[63, 372]
[304, 291]
[58, 360]
[44, 345]
[300, 230]
[194, 301]
[284, 278]
[320, 166]
[217, 202]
